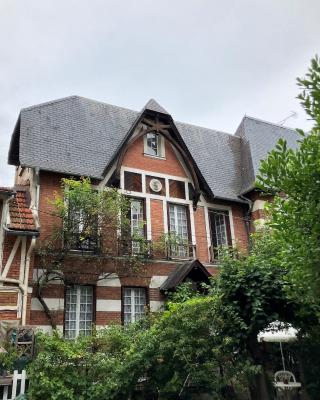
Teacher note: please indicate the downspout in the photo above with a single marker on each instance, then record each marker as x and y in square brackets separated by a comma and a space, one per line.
[3, 221]
[248, 217]
[26, 281]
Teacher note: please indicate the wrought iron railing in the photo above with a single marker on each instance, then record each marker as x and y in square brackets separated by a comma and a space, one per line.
[181, 251]
[134, 247]
[77, 242]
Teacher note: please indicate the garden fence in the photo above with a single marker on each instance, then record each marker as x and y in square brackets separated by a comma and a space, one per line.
[15, 387]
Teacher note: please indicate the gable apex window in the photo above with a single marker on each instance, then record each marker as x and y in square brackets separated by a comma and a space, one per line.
[154, 145]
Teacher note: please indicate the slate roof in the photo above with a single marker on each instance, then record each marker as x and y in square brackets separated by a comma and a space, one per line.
[257, 139]
[79, 136]
[181, 272]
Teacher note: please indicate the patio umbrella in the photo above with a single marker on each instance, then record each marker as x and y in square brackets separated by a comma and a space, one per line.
[278, 332]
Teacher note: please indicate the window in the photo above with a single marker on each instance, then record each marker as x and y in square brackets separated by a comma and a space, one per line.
[178, 225]
[154, 144]
[134, 303]
[137, 224]
[78, 311]
[220, 230]
[82, 230]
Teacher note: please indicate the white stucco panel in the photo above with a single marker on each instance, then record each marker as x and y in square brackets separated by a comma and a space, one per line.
[111, 280]
[53, 304]
[156, 281]
[108, 305]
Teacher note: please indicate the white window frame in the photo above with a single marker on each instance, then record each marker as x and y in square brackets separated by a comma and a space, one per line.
[78, 290]
[136, 246]
[160, 143]
[134, 316]
[181, 251]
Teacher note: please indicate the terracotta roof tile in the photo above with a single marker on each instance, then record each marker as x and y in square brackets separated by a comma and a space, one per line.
[21, 217]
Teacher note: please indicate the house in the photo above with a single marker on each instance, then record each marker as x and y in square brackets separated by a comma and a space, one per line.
[195, 182]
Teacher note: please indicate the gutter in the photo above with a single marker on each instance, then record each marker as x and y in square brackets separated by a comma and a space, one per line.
[248, 216]
[22, 233]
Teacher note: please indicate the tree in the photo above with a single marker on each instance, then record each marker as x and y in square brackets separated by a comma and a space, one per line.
[293, 178]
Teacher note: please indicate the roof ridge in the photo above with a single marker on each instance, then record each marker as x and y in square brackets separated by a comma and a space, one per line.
[47, 103]
[204, 127]
[268, 122]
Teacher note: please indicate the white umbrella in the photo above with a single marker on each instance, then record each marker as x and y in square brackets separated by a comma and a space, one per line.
[278, 332]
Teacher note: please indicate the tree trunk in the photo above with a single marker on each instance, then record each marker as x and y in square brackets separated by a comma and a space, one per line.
[46, 310]
[258, 387]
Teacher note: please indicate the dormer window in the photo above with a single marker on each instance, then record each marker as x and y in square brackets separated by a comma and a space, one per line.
[154, 145]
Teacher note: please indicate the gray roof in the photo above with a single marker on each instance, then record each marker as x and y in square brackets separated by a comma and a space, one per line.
[79, 136]
[257, 139]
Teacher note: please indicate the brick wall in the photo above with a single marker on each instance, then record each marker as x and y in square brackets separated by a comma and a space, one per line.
[135, 158]
[201, 235]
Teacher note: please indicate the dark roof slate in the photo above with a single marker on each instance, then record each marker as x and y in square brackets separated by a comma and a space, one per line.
[152, 105]
[257, 139]
[79, 136]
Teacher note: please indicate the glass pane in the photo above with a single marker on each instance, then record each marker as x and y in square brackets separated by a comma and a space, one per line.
[78, 311]
[153, 144]
[179, 226]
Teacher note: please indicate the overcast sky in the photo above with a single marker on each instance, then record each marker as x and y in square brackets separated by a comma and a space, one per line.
[208, 62]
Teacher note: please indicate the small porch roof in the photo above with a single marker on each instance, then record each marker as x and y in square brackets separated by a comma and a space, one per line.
[191, 269]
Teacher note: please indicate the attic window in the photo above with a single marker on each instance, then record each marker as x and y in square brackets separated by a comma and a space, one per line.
[154, 145]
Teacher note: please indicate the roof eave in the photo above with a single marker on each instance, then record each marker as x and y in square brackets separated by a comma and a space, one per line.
[14, 148]
[19, 232]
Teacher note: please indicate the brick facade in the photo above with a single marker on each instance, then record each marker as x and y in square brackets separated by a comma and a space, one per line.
[108, 294]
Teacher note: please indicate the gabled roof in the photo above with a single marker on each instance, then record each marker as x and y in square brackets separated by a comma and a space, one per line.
[182, 271]
[79, 136]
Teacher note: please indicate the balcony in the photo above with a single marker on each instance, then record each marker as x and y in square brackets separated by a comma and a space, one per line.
[151, 250]
[77, 242]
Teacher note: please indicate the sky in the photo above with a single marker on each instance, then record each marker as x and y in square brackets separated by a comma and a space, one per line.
[207, 62]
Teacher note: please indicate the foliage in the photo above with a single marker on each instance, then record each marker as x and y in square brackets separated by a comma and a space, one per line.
[293, 177]
[89, 367]
[193, 351]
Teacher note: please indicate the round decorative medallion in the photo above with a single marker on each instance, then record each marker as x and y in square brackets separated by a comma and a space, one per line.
[155, 185]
